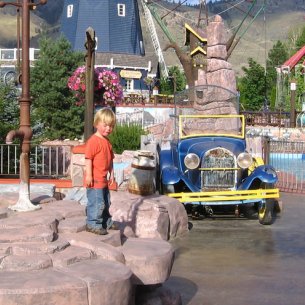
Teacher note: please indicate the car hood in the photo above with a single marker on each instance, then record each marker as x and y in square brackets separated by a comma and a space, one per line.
[200, 145]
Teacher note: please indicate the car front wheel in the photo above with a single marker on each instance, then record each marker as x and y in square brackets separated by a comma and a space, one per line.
[266, 212]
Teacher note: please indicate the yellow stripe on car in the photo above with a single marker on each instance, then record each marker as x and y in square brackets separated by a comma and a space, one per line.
[226, 195]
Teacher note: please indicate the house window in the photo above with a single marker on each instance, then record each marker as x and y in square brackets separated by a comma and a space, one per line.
[69, 10]
[129, 85]
[121, 10]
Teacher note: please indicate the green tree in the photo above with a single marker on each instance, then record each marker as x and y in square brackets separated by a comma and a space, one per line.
[53, 106]
[300, 41]
[252, 86]
[9, 110]
[167, 85]
[276, 57]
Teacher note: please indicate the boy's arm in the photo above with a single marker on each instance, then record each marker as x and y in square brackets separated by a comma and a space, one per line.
[88, 171]
[111, 171]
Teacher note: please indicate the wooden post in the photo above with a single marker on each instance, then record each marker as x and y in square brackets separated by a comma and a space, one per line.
[89, 103]
[266, 150]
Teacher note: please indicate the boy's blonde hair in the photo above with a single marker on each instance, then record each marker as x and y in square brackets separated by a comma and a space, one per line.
[105, 115]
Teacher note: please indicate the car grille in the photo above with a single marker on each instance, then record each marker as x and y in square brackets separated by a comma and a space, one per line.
[217, 170]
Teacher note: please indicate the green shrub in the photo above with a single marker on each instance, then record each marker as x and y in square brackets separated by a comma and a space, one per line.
[9, 110]
[126, 137]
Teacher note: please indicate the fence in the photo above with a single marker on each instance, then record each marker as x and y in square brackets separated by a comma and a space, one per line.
[288, 158]
[12, 54]
[267, 118]
[45, 161]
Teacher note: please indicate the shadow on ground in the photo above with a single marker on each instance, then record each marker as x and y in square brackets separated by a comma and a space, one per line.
[185, 287]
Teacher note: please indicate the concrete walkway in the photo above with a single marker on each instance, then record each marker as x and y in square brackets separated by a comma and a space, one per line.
[237, 261]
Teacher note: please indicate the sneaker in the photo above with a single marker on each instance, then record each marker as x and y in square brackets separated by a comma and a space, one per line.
[98, 231]
[114, 226]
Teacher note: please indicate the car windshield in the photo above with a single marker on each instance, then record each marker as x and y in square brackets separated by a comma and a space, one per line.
[211, 125]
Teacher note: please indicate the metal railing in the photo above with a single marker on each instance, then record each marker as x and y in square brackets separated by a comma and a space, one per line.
[267, 118]
[12, 54]
[138, 98]
[288, 158]
[45, 161]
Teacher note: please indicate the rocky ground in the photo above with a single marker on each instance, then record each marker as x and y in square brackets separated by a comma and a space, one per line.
[47, 257]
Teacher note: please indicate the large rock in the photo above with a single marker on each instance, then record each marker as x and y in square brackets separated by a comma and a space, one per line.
[150, 260]
[110, 286]
[46, 257]
[149, 217]
[42, 287]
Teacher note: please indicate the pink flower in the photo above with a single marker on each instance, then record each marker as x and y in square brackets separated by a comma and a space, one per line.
[106, 85]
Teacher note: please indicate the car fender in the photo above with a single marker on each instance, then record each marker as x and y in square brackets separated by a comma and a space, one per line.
[170, 175]
[168, 171]
[165, 159]
[265, 173]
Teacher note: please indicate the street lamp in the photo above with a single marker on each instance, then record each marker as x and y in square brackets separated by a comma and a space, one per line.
[293, 88]
[24, 133]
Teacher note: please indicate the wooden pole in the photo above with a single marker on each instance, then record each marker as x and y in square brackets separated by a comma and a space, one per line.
[89, 103]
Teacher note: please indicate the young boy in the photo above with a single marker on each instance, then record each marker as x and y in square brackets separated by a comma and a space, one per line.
[98, 164]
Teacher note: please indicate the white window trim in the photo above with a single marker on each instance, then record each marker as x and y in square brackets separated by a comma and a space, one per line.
[129, 87]
[121, 10]
[69, 10]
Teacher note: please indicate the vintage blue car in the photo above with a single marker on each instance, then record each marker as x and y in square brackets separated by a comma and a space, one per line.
[208, 168]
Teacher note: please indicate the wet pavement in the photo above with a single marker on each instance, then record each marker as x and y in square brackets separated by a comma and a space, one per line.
[233, 261]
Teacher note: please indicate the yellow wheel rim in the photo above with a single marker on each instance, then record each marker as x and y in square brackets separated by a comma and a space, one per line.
[262, 211]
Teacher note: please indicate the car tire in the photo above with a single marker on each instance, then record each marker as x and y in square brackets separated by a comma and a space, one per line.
[266, 212]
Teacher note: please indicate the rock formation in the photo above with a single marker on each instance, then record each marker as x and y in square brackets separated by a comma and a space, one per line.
[218, 92]
[47, 257]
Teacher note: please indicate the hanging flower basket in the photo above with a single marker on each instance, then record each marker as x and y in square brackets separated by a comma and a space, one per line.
[107, 88]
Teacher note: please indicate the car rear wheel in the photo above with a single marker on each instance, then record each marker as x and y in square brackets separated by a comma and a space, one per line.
[266, 212]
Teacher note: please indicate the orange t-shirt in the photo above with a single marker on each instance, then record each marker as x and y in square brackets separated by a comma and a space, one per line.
[99, 150]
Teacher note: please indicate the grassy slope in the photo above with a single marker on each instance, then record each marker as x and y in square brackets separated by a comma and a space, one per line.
[255, 43]
[8, 29]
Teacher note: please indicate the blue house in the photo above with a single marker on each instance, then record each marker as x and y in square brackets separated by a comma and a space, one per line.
[119, 39]
[116, 23]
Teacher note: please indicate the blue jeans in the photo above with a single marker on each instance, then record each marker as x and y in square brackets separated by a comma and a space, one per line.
[98, 215]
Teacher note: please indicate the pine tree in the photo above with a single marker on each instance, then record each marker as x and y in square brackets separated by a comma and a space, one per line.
[276, 57]
[53, 104]
[9, 110]
[252, 86]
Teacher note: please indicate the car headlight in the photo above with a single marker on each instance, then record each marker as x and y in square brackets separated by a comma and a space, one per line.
[191, 161]
[244, 160]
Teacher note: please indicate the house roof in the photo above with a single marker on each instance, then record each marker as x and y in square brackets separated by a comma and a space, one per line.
[199, 33]
[127, 61]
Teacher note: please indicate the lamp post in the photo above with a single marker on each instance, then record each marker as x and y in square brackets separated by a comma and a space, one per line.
[18, 41]
[24, 133]
[293, 87]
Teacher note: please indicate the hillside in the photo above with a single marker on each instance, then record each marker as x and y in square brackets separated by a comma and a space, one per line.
[281, 17]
